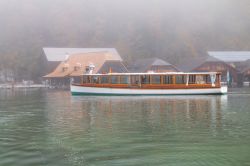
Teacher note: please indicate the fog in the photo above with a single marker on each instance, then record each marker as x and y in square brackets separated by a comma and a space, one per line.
[168, 29]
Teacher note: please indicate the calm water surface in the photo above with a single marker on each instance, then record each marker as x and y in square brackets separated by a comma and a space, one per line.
[52, 128]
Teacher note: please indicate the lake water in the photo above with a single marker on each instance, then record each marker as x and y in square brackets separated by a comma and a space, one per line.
[52, 128]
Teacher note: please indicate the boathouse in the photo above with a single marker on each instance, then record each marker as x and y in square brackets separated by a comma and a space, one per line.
[113, 66]
[237, 59]
[245, 70]
[210, 64]
[76, 64]
[152, 65]
[234, 58]
[54, 56]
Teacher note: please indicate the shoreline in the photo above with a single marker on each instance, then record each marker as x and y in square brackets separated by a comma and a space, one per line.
[9, 86]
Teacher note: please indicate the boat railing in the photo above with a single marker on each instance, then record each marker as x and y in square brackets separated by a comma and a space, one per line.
[180, 80]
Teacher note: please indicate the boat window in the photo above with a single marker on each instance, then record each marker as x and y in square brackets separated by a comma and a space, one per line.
[124, 79]
[88, 79]
[167, 79]
[85, 79]
[207, 79]
[135, 79]
[200, 79]
[145, 79]
[114, 79]
[180, 79]
[218, 78]
[191, 79]
[95, 79]
[104, 79]
[156, 79]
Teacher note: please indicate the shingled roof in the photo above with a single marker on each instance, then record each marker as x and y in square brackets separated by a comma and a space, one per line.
[60, 54]
[143, 65]
[188, 65]
[230, 56]
[114, 66]
[245, 66]
[76, 64]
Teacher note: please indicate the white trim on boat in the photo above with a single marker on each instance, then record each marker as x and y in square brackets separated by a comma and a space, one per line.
[119, 91]
[149, 73]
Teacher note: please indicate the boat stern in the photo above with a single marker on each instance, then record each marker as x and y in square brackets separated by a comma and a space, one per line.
[224, 90]
[75, 89]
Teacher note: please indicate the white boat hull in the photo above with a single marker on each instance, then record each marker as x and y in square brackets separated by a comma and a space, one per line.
[82, 90]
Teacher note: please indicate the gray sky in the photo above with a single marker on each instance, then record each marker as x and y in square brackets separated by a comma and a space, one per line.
[53, 22]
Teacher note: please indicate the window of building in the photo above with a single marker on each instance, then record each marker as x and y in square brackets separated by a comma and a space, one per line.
[76, 68]
[64, 69]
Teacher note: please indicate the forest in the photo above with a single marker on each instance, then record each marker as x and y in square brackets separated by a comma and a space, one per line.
[167, 29]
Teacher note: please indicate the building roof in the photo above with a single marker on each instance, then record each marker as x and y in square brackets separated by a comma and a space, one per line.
[60, 54]
[114, 66]
[245, 66]
[188, 65]
[159, 62]
[76, 64]
[230, 56]
[143, 65]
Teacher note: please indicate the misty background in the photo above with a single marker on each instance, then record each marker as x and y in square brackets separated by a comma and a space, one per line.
[167, 29]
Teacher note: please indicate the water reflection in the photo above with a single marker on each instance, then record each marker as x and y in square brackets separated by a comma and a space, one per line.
[152, 110]
[93, 123]
[54, 128]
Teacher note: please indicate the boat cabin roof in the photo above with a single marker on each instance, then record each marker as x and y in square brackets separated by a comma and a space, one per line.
[149, 73]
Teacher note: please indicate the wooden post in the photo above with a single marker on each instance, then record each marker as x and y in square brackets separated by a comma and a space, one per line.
[129, 80]
[109, 79]
[249, 81]
[119, 80]
[99, 79]
[187, 79]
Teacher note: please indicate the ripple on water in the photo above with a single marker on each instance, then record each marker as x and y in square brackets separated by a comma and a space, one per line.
[181, 131]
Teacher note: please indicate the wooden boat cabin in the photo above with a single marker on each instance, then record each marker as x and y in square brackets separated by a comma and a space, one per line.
[152, 80]
[176, 83]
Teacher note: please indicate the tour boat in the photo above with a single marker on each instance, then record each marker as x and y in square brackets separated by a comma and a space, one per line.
[171, 83]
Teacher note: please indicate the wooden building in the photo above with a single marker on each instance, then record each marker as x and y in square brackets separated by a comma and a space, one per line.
[113, 66]
[246, 75]
[237, 59]
[75, 65]
[54, 56]
[209, 64]
[151, 65]
[233, 58]
[245, 70]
